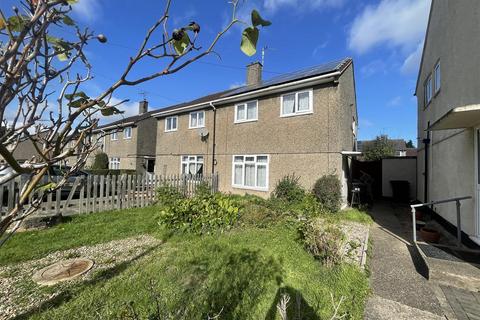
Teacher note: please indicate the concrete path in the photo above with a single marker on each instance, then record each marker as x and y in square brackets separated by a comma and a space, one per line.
[399, 291]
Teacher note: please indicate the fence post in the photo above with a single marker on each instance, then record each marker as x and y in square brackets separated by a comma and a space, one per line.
[102, 195]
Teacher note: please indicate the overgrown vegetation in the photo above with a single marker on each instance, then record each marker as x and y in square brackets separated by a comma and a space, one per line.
[381, 147]
[328, 191]
[100, 161]
[324, 241]
[289, 189]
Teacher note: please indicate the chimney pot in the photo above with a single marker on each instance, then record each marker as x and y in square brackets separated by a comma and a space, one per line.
[142, 107]
[254, 73]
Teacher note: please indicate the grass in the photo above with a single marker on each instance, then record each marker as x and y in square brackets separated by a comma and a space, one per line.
[81, 230]
[240, 274]
[354, 215]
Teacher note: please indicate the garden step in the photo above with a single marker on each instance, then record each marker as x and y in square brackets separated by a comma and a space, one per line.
[378, 308]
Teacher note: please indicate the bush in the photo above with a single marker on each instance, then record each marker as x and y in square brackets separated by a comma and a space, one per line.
[100, 161]
[201, 214]
[289, 189]
[203, 188]
[324, 241]
[168, 195]
[327, 189]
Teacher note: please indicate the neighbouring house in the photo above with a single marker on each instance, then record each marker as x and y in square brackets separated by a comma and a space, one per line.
[399, 145]
[448, 94]
[130, 143]
[303, 123]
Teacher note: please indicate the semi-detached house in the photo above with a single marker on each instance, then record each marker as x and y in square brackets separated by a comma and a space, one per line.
[303, 123]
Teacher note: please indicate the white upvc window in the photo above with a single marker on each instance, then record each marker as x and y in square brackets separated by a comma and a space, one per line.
[114, 135]
[171, 124]
[438, 77]
[114, 163]
[197, 119]
[127, 133]
[192, 165]
[250, 172]
[245, 112]
[296, 103]
[428, 90]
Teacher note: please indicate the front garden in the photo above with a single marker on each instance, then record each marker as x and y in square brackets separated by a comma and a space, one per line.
[223, 256]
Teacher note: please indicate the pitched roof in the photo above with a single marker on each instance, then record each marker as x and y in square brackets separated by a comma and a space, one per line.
[398, 144]
[323, 69]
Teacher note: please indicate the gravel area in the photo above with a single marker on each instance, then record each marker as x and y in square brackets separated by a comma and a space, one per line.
[356, 242]
[19, 293]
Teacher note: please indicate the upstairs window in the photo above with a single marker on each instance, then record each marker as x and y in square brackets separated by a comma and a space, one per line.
[245, 112]
[438, 75]
[171, 124]
[192, 165]
[127, 133]
[197, 119]
[113, 136]
[428, 90]
[297, 103]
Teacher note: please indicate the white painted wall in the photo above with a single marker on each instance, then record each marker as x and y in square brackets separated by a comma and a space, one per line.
[399, 169]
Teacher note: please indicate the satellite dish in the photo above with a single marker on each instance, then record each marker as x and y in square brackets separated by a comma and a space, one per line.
[203, 133]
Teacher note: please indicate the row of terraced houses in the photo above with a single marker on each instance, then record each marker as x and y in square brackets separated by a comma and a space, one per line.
[303, 123]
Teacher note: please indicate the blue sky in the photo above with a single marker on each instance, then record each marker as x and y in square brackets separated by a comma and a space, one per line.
[384, 37]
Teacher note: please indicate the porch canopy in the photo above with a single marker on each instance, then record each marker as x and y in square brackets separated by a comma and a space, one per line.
[458, 118]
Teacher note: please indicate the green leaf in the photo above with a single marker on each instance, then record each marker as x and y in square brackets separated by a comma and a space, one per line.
[182, 44]
[77, 103]
[2, 24]
[257, 20]
[108, 111]
[72, 1]
[249, 41]
[68, 21]
[17, 23]
[47, 186]
[79, 94]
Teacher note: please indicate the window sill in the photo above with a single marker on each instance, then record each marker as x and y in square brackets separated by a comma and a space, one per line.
[127, 138]
[250, 188]
[170, 130]
[244, 121]
[296, 114]
[196, 127]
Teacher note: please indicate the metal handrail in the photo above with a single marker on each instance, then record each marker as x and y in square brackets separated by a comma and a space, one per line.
[459, 222]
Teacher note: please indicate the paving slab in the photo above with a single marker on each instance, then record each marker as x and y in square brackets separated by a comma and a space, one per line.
[394, 275]
[383, 309]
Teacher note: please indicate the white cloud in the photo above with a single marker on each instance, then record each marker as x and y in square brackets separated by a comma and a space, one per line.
[412, 62]
[395, 102]
[373, 67]
[87, 10]
[397, 23]
[273, 5]
[365, 123]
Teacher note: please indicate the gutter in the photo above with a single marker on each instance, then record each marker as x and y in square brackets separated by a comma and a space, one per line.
[273, 89]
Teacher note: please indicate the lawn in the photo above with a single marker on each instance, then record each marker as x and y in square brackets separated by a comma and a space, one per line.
[239, 274]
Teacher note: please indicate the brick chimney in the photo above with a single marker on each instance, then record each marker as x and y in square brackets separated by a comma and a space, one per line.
[142, 107]
[254, 73]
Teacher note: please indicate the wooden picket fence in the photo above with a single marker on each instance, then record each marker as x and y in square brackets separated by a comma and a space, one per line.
[96, 193]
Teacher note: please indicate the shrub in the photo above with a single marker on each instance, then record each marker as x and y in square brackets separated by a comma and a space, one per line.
[100, 161]
[324, 241]
[203, 188]
[201, 214]
[168, 195]
[289, 189]
[327, 189]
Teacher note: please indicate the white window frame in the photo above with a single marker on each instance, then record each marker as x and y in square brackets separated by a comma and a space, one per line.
[188, 161]
[166, 124]
[243, 186]
[428, 90]
[114, 163]
[114, 136]
[196, 114]
[125, 137]
[437, 78]
[296, 112]
[244, 104]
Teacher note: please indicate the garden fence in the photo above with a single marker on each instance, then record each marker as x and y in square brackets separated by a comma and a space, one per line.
[95, 193]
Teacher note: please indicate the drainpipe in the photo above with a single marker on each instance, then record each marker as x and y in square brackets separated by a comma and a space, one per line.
[426, 142]
[213, 135]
